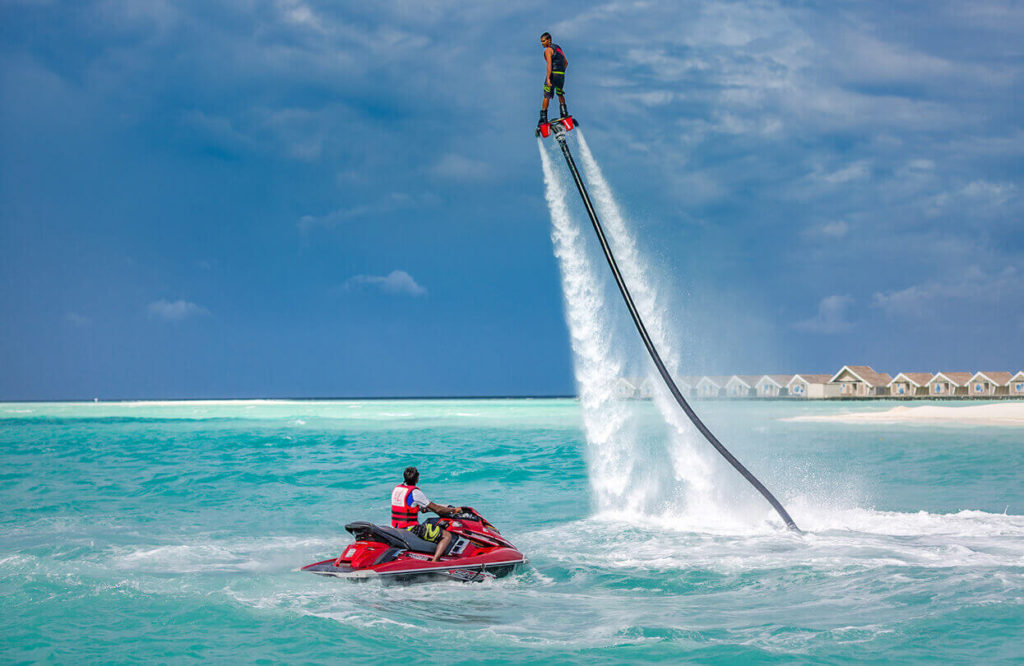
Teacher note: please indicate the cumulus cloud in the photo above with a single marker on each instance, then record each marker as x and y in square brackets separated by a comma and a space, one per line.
[856, 171]
[828, 230]
[299, 13]
[77, 320]
[938, 297]
[216, 131]
[175, 311]
[831, 317]
[395, 282]
[871, 59]
[992, 193]
[302, 133]
[460, 167]
[379, 206]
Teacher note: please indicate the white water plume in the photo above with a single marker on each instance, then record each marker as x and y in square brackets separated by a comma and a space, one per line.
[634, 271]
[628, 445]
[606, 420]
[691, 463]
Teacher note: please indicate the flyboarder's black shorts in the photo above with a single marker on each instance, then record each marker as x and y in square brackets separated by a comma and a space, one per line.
[428, 530]
[557, 81]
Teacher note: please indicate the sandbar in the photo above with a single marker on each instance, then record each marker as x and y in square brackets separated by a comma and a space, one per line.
[1002, 414]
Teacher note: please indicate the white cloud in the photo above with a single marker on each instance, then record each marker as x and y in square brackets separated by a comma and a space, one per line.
[938, 297]
[392, 202]
[835, 229]
[828, 230]
[697, 187]
[299, 13]
[912, 301]
[917, 168]
[991, 193]
[302, 133]
[334, 218]
[459, 167]
[77, 320]
[217, 130]
[654, 98]
[866, 58]
[665, 67]
[831, 317]
[856, 171]
[153, 17]
[395, 282]
[175, 310]
[977, 199]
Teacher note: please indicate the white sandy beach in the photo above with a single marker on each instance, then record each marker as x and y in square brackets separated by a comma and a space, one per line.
[1003, 414]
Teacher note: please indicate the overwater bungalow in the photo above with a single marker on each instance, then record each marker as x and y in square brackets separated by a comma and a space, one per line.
[990, 383]
[772, 386]
[741, 386]
[814, 387]
[910, 384]
[626, 389]
[1016, 384]
[712, 386]
[861, 381]
[949, 384]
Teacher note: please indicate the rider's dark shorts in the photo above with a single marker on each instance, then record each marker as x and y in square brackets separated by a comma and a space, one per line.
[557, 81]
[428, 530]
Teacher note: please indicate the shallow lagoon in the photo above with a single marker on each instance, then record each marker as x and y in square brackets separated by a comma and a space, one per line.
[171, 531]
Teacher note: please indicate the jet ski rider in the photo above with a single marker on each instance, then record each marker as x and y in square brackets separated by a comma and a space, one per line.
[555, 78]
[407, 500]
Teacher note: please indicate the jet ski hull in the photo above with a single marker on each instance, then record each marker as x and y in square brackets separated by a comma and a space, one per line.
[415, 570]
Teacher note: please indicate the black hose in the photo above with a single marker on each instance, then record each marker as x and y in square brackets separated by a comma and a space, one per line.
[560, 136]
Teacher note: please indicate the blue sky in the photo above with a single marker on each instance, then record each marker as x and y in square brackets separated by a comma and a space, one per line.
[298, 198]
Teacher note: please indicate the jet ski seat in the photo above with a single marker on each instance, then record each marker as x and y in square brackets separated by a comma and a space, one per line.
[392, 536]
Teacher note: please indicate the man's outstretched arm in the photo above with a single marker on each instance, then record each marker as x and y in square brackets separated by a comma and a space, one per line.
[443, 510]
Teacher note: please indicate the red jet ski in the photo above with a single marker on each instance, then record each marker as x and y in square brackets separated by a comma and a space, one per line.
[477, 552]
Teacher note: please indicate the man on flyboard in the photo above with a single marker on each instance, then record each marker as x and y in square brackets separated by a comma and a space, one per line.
[554, 81]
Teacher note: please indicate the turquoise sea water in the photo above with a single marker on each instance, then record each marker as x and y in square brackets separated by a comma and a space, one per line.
[171, 532]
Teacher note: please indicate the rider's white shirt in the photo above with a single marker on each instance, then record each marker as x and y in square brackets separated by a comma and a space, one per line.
[418, 498]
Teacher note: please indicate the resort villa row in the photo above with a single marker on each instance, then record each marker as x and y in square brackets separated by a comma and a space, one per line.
[852, 381]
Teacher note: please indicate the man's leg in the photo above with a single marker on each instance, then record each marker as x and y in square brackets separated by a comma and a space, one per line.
[548, 94]
[446, 538]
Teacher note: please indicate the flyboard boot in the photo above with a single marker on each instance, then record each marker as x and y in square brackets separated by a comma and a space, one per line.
[558, 126]
[562, 110]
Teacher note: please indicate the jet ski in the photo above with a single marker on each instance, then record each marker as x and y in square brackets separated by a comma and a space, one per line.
[477, 552]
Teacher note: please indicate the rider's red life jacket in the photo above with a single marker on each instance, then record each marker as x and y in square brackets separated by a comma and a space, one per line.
[403, 515]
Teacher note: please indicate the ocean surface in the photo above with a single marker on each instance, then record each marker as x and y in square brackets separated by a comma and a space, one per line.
[171, 532]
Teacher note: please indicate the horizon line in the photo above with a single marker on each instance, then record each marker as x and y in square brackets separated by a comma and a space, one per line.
[295, 399]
